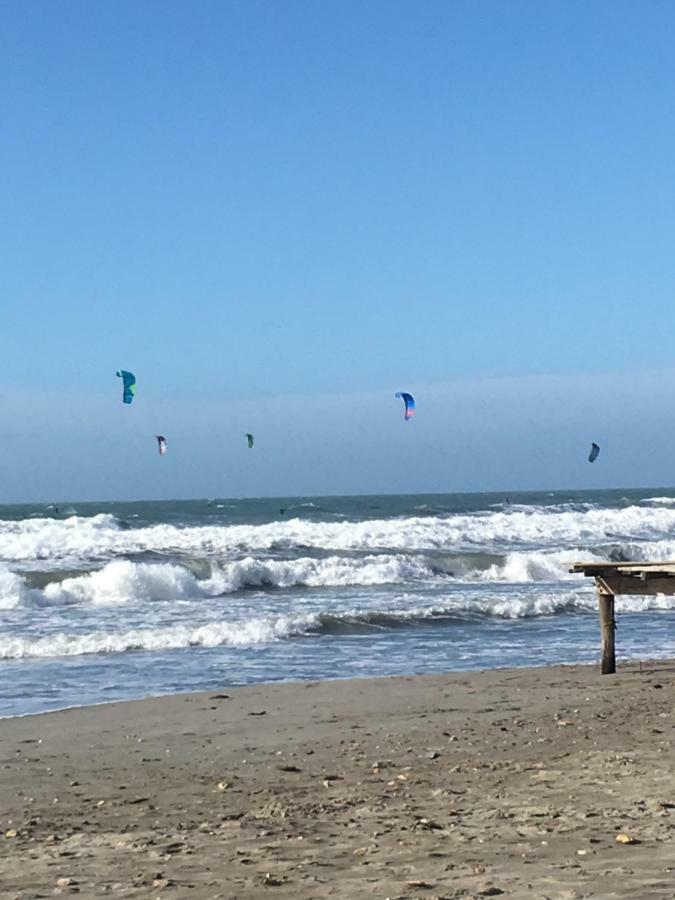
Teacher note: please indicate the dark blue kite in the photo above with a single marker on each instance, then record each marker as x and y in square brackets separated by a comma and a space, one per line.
[409, 403]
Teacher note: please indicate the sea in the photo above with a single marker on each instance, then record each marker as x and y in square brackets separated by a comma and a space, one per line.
[110, 601]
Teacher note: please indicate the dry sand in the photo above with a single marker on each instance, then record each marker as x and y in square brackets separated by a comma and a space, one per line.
[511, 783]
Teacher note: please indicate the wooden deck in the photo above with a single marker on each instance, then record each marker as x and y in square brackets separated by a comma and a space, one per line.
[612, 578]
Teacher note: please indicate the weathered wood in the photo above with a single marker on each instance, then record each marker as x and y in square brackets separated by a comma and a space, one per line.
[628, 584]
[647, 578]
[594, 568]
[607, 629]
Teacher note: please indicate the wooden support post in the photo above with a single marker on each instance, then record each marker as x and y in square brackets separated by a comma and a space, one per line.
[607, 627]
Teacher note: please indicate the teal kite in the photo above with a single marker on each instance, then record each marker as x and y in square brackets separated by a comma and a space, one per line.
[129, 383]
[249, 438]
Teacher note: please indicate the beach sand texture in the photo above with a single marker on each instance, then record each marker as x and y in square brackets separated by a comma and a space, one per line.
[512, 783]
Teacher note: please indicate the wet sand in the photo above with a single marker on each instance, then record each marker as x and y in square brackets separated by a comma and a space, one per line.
[511, 783]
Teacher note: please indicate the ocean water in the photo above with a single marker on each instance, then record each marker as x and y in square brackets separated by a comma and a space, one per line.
[103, 601]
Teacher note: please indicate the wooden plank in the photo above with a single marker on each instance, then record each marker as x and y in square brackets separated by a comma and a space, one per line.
[630, 584]
[591, 568]
[614, 564]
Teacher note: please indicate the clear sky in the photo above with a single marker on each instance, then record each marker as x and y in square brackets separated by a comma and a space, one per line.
[279, 213]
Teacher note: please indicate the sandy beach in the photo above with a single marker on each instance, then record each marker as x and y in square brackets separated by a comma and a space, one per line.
[512, 783]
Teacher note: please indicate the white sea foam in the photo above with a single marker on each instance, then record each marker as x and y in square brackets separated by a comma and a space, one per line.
[126, 582]
[215, 634]
[45, 539]
[541, 603]
[123, 581]
[13, 590]
[101, 537]
[532, 566]
[259, 631]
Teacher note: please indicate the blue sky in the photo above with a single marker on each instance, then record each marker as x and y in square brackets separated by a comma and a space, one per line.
[280, 213]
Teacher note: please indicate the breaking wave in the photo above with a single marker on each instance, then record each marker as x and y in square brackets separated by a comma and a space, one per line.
[104, 537]
[123, 581]
[127, 582]
[263, 630]
[249, 595]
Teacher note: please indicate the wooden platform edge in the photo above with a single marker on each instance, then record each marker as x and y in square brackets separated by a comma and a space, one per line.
[612, 578]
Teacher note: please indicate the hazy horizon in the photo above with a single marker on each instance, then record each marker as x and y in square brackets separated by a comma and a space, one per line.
[497, 492]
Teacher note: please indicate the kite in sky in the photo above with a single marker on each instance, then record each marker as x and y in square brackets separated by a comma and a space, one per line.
[593, 455]
[249, 438]
[409, 402]
[129, 382]
[161, 444]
